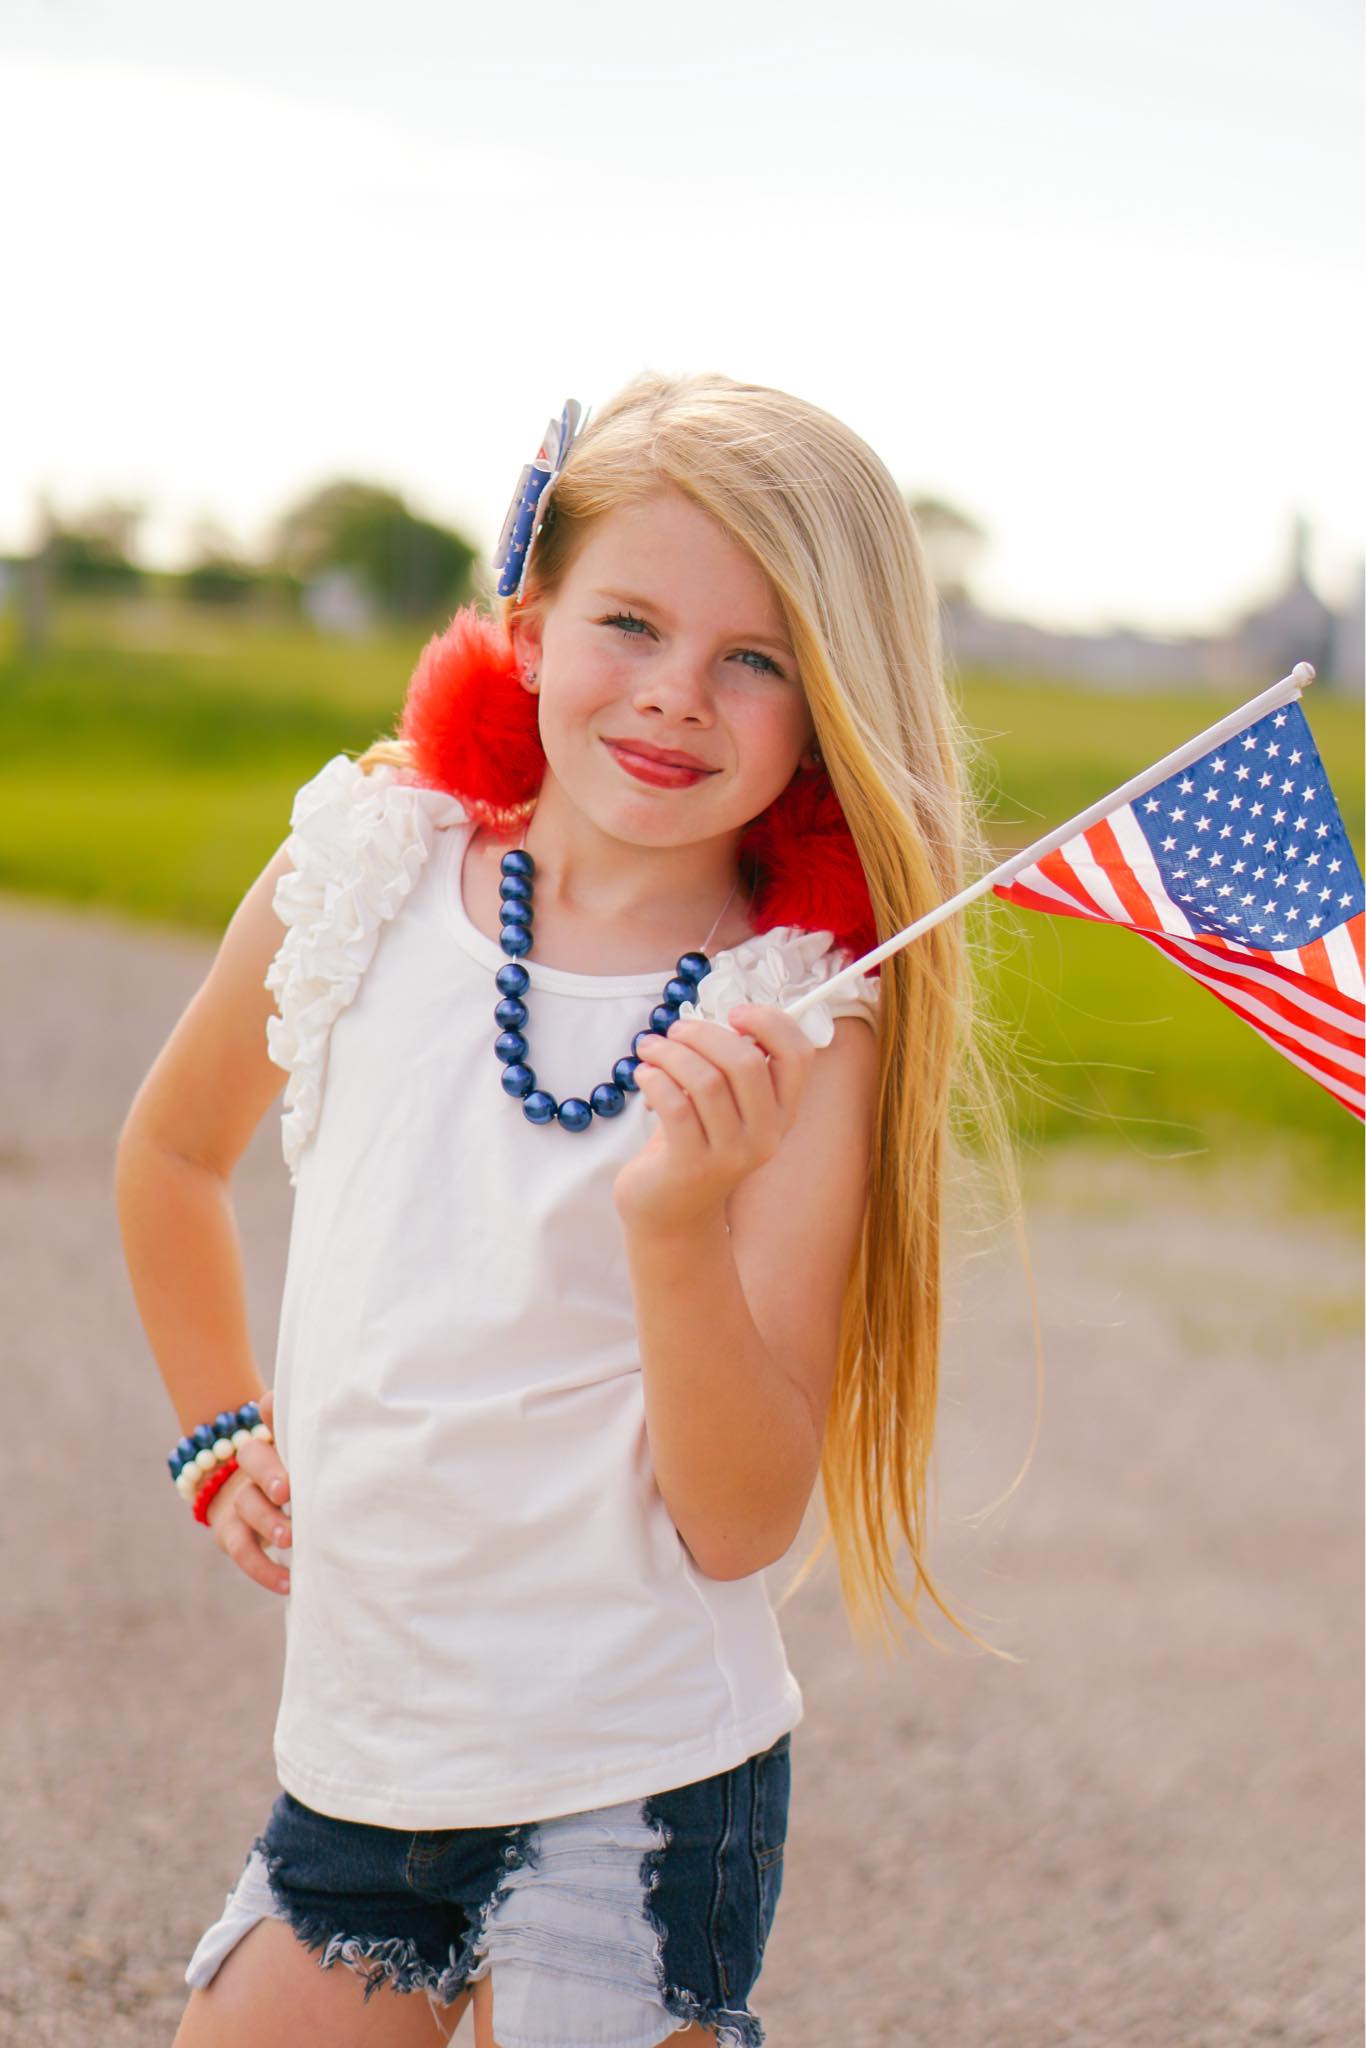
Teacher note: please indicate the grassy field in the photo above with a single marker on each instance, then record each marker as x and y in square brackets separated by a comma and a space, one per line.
[148, 763]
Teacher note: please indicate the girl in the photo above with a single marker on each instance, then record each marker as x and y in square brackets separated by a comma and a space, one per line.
[598, 1259]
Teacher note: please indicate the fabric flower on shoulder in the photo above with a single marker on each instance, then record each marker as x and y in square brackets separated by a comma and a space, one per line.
[359, 842]
[777, 966]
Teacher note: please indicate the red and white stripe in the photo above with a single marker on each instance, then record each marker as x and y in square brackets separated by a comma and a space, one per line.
[1308, 1001]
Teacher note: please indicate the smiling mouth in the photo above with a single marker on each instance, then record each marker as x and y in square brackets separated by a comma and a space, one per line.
[665, 756]
[665, 774]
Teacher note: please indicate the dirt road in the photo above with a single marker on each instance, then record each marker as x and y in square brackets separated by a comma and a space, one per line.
[1148, 1832]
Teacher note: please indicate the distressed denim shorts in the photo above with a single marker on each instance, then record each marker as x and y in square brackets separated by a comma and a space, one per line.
[612, 1928]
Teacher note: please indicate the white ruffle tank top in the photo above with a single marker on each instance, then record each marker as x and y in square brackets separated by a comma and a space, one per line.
[492, 1617]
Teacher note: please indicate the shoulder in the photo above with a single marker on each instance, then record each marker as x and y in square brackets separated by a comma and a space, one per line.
[359, 839]
[349, 821]
[777, 966]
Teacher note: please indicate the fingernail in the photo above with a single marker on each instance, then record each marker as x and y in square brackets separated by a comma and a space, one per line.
[284, 1583]
[279, 1533]
[277, 1487]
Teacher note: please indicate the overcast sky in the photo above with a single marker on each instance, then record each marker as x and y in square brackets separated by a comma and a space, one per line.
[1094, 275]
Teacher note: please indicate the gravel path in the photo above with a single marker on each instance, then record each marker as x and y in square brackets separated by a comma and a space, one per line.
[1146, 1832]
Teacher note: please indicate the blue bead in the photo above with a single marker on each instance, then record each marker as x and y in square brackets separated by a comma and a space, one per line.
[515, 939]
[510, 1014]
[185, 1450]
[248, 1415]
[679, 991]
[693, 966]
[635, 1042]
[510, 1046]
[515, 913]
[624, 1072]
[662, 1016]
[512, 980]
[515, 886]
[518, 862]
[607, 1099]
[225, 1423]
[539, 1108]
[518, 1080]
[202, 1438]
[575, 1113]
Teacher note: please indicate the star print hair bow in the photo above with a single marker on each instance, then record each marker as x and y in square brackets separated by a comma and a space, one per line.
[527, 510]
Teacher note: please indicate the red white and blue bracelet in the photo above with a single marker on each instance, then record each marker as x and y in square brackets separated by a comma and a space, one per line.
[204, 1459]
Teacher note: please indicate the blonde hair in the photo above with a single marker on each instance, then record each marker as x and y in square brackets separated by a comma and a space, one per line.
[823, 518]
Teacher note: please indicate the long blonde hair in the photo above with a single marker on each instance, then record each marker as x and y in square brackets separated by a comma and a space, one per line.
[823, 518]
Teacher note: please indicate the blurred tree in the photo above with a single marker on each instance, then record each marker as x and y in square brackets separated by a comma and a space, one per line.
[95, 551]
[410, 566]
[953, 544]
[218, 572]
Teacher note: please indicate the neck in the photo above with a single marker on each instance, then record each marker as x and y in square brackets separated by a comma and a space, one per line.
[584, 872]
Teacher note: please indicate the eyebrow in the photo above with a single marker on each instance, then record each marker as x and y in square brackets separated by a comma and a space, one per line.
[651, 604]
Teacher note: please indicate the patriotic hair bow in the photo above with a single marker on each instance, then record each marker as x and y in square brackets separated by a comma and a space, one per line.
[527, 510]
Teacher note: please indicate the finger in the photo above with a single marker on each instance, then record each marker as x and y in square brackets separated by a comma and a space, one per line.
[671, 1105]
[742, 1059]
[241, 1543]
[262, 1462]
[787, 1045]
[269, 1522]
[718, 1099]
[266, 1404]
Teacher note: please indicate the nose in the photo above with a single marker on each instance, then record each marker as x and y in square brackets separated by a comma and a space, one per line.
[678, 688]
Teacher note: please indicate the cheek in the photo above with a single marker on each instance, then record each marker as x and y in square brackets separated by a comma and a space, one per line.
[769, 731]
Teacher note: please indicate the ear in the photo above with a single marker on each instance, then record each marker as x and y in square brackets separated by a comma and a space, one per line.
[524, 631]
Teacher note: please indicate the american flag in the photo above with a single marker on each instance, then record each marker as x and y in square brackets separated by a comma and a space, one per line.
[1239, 869]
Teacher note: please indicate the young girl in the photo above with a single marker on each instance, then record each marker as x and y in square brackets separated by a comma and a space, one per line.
[598, 1259]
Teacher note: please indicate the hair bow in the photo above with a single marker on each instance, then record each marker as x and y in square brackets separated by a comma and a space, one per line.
[527, 510]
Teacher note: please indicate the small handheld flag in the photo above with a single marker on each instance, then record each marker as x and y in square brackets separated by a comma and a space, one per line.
[1231, 857]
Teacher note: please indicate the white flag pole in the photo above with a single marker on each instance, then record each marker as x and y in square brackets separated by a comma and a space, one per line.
[1284, 692]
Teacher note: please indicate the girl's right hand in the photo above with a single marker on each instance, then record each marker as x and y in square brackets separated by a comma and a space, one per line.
[246, 1513]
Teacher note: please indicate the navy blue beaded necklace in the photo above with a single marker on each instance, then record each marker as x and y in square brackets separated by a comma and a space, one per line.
[518, 1077]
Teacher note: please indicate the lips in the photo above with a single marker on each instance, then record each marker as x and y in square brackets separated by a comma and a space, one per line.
[669, 757]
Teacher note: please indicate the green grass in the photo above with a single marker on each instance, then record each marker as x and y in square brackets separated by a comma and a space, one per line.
[148, 763]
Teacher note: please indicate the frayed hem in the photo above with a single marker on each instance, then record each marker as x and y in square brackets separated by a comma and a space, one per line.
[396, 1961]
[733, 2029]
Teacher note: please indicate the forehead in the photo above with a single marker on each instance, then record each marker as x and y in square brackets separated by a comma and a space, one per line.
[665, 546]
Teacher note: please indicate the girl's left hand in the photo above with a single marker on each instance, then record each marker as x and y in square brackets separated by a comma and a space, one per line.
[723, 1102]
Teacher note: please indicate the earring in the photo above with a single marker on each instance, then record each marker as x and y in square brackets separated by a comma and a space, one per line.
[532, 679]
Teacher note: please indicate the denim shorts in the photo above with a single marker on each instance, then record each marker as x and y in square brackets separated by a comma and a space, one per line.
[611, 1928]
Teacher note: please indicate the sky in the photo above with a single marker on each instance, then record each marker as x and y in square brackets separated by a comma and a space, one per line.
[1094, 276]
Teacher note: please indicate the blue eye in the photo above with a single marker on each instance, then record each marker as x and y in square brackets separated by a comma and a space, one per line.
[626, 621]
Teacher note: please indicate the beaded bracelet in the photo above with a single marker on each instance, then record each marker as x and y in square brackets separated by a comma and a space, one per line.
[210, 1488]
[212, 1444]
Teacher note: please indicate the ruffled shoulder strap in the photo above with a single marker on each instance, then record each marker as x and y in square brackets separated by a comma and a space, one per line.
[775, 967]
[358, 842]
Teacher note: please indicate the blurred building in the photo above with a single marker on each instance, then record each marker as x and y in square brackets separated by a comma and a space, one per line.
[1256, 649]
[337, 601]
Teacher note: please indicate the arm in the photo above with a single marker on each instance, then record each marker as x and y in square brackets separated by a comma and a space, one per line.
[739, 1328]
[189, 1123]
